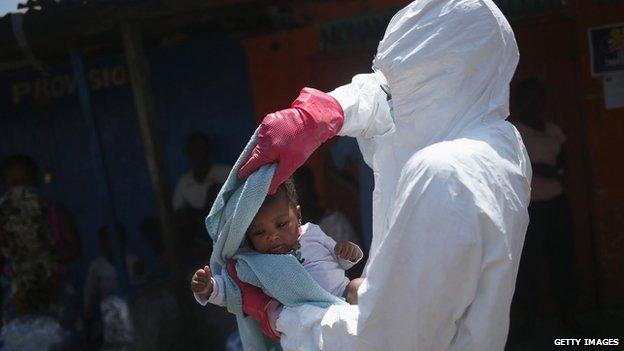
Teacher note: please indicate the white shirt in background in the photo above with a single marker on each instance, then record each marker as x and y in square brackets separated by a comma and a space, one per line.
[191, 193]
[102, 279]
[543, 147]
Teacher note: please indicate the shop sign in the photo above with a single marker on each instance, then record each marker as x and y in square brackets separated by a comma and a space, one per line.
[606, 46]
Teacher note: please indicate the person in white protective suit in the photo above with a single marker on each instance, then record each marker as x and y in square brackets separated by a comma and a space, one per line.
[452, 184]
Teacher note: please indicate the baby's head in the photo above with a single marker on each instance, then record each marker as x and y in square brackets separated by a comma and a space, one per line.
[275, 228]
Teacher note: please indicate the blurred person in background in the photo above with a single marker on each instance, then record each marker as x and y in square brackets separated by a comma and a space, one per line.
[332, 221]
[345, 155]
[166, 327]
[195, 190]
[102, 282]
[38, 238]
[159, 328]
[549, 236]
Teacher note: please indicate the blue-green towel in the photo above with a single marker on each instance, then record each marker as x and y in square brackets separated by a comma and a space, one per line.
[280, 276]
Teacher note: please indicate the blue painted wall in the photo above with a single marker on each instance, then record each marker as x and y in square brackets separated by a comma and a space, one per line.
[201, 85]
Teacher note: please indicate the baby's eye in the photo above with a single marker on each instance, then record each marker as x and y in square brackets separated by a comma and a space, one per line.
[257, 233]
[282, 224]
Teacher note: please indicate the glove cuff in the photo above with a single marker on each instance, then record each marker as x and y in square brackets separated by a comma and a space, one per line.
[321, 109]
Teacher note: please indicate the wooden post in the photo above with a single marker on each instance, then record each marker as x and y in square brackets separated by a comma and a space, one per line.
[148, 120]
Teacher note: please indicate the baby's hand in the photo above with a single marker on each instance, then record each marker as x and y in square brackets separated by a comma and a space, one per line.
[201, 284]
[347, 250]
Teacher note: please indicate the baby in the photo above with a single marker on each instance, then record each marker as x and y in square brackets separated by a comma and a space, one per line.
[277, 229]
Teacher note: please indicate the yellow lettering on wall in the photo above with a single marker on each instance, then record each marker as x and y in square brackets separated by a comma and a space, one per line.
[94, 78]
[106, 79]
[19, 90]
[58, 86]
[119, 76]
[42, 89]
[70, 84]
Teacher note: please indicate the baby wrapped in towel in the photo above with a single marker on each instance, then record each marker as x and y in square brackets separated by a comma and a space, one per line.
[276, 229]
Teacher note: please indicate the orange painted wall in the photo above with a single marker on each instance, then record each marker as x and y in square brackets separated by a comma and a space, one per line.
[605, 136]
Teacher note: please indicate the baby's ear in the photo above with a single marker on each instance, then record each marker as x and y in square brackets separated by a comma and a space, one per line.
[299, 213]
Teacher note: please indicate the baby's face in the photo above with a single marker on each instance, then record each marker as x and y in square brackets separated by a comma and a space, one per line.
[275, 229]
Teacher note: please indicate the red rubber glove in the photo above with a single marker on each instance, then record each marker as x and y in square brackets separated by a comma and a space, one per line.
[290, 136]
[255, 302]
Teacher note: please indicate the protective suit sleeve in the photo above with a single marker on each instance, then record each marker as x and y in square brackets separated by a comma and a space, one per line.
[365, 106]
[418, 285]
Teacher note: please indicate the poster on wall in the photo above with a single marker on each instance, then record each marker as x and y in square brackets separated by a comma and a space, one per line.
[606, 46]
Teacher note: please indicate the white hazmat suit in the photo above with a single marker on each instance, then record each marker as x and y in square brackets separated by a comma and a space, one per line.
[452, 184]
